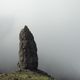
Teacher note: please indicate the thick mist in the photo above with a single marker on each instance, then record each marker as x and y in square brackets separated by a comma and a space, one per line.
[55, 25]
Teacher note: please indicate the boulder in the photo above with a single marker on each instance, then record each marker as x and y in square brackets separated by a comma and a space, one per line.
[28, 58]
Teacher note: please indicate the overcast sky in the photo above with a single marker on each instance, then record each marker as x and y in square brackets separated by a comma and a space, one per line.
[55, 25]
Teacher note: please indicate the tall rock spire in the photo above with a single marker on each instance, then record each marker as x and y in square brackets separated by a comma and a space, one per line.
[28, 58]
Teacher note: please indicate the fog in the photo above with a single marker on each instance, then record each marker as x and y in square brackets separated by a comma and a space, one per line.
[55, 25]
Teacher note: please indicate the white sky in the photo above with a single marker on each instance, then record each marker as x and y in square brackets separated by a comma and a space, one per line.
[56, 28]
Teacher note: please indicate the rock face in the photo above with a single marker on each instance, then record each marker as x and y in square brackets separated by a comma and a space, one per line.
[28, 58]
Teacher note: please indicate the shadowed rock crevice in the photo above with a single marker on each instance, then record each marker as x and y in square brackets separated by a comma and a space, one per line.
[28, 58]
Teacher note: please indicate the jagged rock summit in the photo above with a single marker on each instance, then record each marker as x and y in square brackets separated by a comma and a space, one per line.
[28, 58]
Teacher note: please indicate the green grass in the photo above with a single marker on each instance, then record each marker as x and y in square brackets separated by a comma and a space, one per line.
[25, 75]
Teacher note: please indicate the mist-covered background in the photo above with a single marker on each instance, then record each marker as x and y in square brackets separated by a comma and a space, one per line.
[55, 25]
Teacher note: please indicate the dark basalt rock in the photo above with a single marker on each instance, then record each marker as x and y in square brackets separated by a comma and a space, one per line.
[28, 58]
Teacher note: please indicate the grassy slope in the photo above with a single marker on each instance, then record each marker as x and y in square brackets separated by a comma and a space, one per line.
[25, 75]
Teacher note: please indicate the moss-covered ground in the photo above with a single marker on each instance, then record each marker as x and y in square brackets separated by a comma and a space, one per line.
[25, 75]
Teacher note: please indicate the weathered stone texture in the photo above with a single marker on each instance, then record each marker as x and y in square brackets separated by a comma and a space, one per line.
[28, 58]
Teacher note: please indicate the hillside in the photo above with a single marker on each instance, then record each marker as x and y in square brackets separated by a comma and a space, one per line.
[25, 75]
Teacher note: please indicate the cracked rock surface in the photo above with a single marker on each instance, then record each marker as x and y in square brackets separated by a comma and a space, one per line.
[28, 58]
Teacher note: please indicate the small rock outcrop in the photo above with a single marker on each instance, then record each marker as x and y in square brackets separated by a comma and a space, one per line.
[28, 58]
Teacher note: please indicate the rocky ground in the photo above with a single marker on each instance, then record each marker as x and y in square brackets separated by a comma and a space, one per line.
[25, 75]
